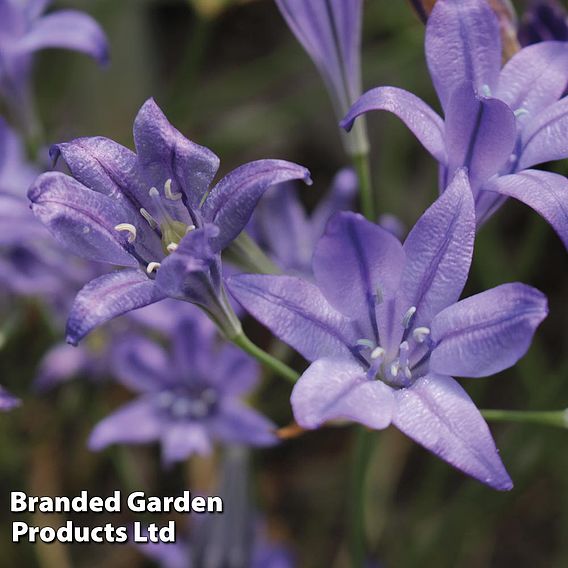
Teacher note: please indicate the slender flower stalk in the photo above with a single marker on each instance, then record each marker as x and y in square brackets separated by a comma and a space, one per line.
[558, 418]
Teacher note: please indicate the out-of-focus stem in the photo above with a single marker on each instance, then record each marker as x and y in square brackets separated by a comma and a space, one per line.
[363, 169]
[361, 456]
[244, 252]
[558, 418]
[265, 358]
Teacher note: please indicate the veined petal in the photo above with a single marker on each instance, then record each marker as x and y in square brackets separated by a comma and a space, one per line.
[463, 43]
[338, 389]
[480, 134]
[296, 312]
[141, 364]
[545, 138]
[164, 153]
[534, 78]
[357, 264]
[107, 297]
[232, 201]
[545, 192]
[82, 220]
[438, 252]
[438, 414]
[488, 332]
[423, 122]
[133, 423]
[68, 29]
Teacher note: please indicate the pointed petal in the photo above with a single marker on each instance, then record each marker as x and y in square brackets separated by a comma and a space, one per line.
[534, 78]
[232, 201]
[438, 251]
[355, 262]
[68, 29]
[486, 333]
[181, 440]
[422, 121]
[333, 389]
[82, 220]
[438, 414]
[61, 363]
[164, 153]
[480, 134]
[140, 364]
[545, 138]
[234, 373]
[133, 423]
[239, 424]
[8, 401]
[296, 312]
[463, 43]
[545, 192]
[107, 297]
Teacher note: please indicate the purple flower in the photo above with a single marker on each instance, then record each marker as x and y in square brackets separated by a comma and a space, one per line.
[8, 401]
[498, 122]
[188, 398]
[385, 331]
[330, 32]
[283, 228]
[152, 212]
[24, 30]
[544, 20]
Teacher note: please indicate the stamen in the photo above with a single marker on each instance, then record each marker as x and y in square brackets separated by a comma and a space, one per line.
[378, 296]
[153, 192]
[152, 266]
[172, 247]
[408, 317]
[168, 191]
[420, 334]
[377, 352]
[395, 368]
[130, 229]
[403, 357]
[151, 221]
[486, 90]
[365, 343]
[521, 112]
[190, 228]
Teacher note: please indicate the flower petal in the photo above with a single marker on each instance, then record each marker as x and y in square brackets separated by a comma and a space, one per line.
[438, 414]
[232, 201]
[545, 192]
[534, 78]
[480, 134]
[486, 333]
[62, 363]
[68, 29]
[545, 138]
[107, 297]
[355, 263]
[438, 251]
[296, 312]
[141, 364]
[164, 153]
[338, 389]
[133, 423]
[463, 43]
[422, 121]
[8, 401]
[239, 424]
[82, 220]
[234, 372]
[183, 439]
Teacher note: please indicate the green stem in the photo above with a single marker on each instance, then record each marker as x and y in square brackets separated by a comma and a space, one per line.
[265, 358]
[361, 457]
[363, 169]
[244, 252]
[557, 418]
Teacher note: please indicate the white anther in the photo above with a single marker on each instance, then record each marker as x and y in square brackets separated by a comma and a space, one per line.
[521, 112]
[365, 343]
[152, 266]
[408, 316]
[168, 191]
[172, 247]
[130, 229]
[420, 334]
[151, 221]
[190, 228]
[407, 373]
[377, 352]
[378, 295]
[154, 192]
[395, 368]
[486, 90]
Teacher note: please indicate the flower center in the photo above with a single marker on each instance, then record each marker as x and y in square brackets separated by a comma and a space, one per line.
[187, 403]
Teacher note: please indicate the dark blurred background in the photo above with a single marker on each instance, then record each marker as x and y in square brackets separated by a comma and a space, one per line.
[231, 76]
